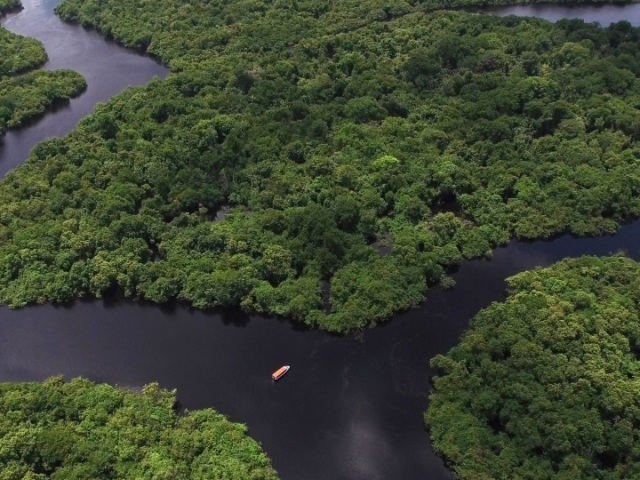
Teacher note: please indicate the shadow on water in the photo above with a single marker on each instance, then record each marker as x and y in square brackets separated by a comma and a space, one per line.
[234, 317]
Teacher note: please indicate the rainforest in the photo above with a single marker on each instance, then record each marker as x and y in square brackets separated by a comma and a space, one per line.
[359, 149]
[545, 384]
[25, 92]
[329, 162]
[9, 5]
[78, 430]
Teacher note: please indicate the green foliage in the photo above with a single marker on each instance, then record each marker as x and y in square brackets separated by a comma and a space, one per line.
[9, 5]
[323, 130]
[19, 53]
[80, 430]
[23, 97]
[29, 95]
[546, 384]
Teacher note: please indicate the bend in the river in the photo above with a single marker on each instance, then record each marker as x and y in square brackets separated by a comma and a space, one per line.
[107, 68]
[350, 408]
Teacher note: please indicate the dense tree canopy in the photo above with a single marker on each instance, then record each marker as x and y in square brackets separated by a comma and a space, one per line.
[362, 147]
[78, 430]
[547, 384]
[24, 93]
[27, 96]
[19, 54]
[8, 6]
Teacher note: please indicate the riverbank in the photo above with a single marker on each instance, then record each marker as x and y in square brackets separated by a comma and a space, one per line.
[8, 6]
[358, 398]
[25, 92]
[603, 14]
[326, 171]
[482, 5]
[107, 69]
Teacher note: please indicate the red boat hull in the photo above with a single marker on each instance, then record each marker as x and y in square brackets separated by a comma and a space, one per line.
[280, 372]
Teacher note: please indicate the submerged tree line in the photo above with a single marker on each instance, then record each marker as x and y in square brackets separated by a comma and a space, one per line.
[363, 147]
[25, 92]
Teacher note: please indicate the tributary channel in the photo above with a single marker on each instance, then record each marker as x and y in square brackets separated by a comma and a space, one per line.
[107, 68]
[351, 407]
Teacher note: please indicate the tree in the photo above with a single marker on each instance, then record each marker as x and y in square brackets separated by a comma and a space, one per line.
[544, 385]
[78, 430]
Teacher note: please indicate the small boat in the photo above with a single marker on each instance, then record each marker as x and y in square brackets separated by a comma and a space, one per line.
[279, 373]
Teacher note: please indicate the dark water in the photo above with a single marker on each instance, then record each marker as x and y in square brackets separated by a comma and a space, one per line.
[350, 408]
[107, 68]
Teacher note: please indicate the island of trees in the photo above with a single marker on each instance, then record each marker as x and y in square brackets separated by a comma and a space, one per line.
[363, 148]
[546, 385]
[24, 92]
[79, 430]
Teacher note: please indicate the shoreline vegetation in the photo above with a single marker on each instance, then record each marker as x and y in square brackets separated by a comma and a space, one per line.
[326, 127]
[25, 92]
[364, 148]
[545, 384]
[8, 6]
[80, 430]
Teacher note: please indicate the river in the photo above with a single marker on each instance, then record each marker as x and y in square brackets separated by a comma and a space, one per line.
[107, 68]
[602, 14]
[350, 408]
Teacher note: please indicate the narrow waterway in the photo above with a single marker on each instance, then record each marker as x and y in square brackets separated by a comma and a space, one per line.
[107, 68]
[350, 408]
[602, 14]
